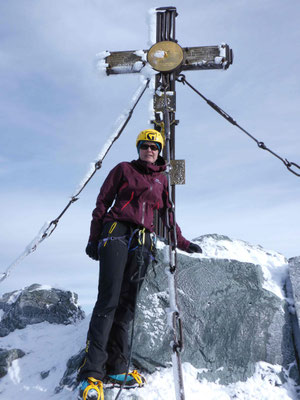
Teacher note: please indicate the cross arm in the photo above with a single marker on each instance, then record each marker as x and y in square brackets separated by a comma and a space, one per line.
[125, 62]
[207, 57]
[194, 58]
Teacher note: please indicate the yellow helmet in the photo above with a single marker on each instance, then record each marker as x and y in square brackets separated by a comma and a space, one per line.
[150, 135]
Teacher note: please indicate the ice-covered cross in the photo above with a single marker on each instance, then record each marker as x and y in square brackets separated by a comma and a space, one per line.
[168, 59]
[166, 56]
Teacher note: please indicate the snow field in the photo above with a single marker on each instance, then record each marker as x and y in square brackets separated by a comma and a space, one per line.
[48, 348]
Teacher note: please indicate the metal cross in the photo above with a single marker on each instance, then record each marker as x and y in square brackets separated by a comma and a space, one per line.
[168, 58]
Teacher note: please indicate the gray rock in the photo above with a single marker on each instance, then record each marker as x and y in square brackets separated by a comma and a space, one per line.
[230, 322]
[293, 298]
[69, 379]
[294, 274]
[35, 304]
[7, 357]
[45, 374]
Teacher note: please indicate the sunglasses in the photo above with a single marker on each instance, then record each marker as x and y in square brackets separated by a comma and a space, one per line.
[145, 146]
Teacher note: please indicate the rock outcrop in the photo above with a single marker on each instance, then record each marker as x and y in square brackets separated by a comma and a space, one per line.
[36, 304]
[7, 357]
[230, 321]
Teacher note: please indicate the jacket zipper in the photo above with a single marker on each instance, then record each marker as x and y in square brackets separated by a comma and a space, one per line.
[143, 213]
[125, 205]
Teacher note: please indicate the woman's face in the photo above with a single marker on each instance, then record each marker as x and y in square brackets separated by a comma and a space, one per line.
[149, 152]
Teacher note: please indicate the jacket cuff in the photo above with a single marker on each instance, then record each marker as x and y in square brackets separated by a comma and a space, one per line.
[183, 244]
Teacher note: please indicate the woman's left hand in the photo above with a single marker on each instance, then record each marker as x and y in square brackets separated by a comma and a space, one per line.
[194, 248]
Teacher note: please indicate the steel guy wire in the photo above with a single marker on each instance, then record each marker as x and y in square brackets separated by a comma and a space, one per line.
[48, 228]
[181, 78]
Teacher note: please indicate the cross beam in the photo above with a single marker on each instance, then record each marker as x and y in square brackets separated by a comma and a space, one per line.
[194, 58]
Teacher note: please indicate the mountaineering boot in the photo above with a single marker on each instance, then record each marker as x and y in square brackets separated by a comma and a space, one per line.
[91, 389]
[134, 379]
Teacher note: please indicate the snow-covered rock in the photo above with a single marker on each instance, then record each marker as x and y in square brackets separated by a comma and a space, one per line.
[36, 304]
[237, 329]
[7, 357]
[233, 309]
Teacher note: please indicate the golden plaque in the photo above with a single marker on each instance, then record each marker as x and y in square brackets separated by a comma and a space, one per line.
[165, 56]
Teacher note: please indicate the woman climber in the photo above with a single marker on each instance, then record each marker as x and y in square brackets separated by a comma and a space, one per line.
[123, 214]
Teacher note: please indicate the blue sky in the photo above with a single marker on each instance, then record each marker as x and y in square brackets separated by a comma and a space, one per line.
[57, 112]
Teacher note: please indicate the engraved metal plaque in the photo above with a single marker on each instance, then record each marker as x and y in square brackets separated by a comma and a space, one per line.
[159, 101]
[177, 172]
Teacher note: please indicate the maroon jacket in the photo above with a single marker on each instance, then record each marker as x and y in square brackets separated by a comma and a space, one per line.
[137, 189]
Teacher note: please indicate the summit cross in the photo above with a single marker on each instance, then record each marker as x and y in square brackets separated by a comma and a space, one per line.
[169, 59]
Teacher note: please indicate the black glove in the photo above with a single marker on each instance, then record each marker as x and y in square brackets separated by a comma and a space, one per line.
[92, 250]
[194, 248]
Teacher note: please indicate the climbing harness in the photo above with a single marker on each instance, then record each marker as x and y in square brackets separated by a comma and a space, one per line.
[181, 78]
[174, 314]
[48, 228]
[127, 240]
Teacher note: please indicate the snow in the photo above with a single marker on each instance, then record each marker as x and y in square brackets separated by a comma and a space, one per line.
[172, 293]
[142, 54]
[14, 296]
[218, 60]
[42, 287]
[137, 66]
[157, 333]
[152, 26]
[199, 63]
[151, 102]
[48, 347]
[159, 54]
[101, 65]
[222, 49]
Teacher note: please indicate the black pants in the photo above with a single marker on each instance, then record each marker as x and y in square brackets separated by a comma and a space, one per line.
[107, 339]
